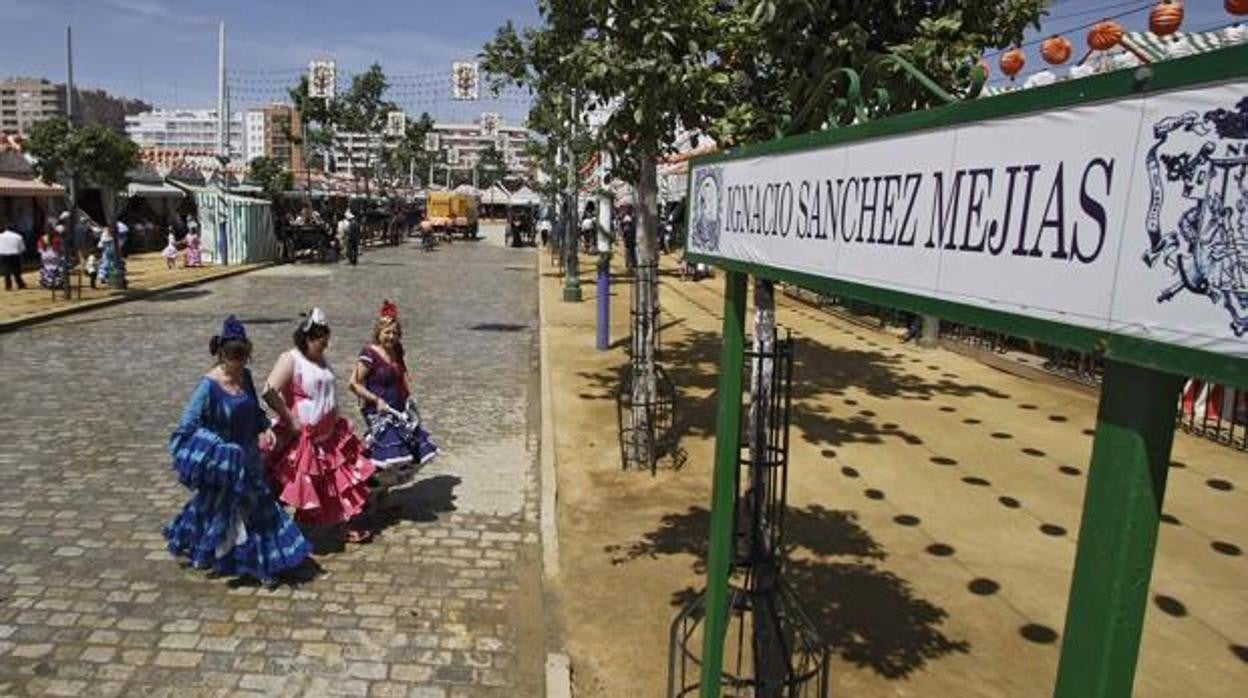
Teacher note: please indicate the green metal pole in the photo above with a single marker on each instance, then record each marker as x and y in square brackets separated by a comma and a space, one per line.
[723, 486]
[1118, 534]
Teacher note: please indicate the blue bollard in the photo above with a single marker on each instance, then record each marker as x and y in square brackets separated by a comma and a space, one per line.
[604, 307]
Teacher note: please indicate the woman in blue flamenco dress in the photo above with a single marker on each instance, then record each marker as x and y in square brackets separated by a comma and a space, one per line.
[396, 440]
[232, 525]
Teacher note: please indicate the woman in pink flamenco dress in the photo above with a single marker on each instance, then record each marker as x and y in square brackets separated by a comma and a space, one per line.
[319, 466]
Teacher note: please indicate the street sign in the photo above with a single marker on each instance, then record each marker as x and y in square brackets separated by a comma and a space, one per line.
[1113, 218]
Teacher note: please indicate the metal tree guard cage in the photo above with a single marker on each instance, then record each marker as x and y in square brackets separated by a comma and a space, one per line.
[646, 398]
[773, 649]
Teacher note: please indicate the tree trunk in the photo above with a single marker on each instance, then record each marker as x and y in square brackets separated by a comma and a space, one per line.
[644, 388]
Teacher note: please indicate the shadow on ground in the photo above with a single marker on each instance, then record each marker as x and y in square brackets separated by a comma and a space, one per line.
[869, 616]
[419, 501]
[692, 363]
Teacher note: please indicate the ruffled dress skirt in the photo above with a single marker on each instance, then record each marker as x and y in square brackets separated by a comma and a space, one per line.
[50, 275]
[322, 472]
[232, 525]
[397, 443]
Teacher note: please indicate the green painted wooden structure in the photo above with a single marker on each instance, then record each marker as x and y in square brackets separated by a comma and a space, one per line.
[1135, 420]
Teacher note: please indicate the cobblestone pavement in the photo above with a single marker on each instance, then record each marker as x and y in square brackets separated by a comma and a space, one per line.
[445, 602]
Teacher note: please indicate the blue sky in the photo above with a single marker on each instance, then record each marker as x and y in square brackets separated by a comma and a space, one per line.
[165, 51]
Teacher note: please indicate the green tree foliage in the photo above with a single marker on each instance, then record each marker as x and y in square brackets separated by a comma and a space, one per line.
[99, 107]
[491, 167]
[94, 154]
[270, 175]
[408, 153]
[776, 59]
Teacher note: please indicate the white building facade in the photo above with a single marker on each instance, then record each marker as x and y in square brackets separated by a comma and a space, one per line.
[186, 129]
[253, 139]
[470, 140]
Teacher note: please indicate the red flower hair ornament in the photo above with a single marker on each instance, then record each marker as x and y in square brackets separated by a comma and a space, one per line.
[389, 310]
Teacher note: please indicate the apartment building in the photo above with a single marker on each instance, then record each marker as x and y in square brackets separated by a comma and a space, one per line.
[24, 101]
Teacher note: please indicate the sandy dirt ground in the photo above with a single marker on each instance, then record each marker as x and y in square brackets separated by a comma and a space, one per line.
[934, 507]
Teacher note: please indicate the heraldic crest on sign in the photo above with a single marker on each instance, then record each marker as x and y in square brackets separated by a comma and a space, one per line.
[1206, 248]
[708, 192]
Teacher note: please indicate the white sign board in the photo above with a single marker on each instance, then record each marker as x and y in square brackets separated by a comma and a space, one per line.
[1128, 216]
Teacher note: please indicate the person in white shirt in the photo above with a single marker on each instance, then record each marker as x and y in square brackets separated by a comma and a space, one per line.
[12, 246]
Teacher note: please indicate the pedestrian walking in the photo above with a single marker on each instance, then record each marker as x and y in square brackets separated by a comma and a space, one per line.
[319, 466]
[170, 253]
[12, 247]
[49, 245]
[349, 233]
[396, 440]
[107, 272]
[194, 255]
[122, 233]
[232, 524]
[628, 227]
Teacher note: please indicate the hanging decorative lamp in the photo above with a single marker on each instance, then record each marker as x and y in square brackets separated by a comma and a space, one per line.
[1056, 49]
[1165, 18]
[1011, 62]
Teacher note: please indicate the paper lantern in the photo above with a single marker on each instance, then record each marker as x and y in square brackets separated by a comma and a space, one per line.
[1165, 17]
[1056, 49]
[1104, 35]
[1238, 8]
[1012, 61]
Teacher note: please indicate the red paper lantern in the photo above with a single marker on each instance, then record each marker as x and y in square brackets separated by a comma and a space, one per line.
[1056, 49]
[1104, 35]
[1238, 8]
[1012, 61]
[1165, 17]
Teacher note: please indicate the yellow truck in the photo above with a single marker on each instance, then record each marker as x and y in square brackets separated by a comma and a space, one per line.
[450, 213]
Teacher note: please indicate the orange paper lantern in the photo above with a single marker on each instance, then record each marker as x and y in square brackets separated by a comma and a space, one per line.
[1012, 61]
[1104, 35]
[1165, 18]
[1238, 8]
[1056, 49]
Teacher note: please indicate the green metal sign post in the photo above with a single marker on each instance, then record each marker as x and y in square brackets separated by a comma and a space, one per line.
[724, 484]
[1118, 534]
[1144, 371]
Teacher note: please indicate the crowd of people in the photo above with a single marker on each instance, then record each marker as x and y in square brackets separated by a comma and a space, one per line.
[100, 250]
[248, 455]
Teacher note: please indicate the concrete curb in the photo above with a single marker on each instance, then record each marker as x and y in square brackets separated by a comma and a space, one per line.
[558, 666]
[124, 297]
[549, 479]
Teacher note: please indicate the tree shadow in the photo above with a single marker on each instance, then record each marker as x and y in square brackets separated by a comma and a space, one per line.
[692, 363]
[869, 616]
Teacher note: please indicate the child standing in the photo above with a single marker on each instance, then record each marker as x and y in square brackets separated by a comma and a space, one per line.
[170, 253]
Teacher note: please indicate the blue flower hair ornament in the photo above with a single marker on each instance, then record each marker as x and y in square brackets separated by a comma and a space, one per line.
[233, 328]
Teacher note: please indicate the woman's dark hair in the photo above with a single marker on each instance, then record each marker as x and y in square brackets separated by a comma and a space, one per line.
[233, 349]
[302, 336]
